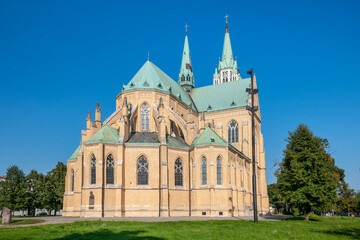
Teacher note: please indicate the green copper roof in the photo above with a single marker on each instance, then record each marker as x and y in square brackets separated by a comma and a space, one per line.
[75, 154]
[208, 136]
[106, 134]
[186, 76]
[176, 142]
[222, 96]
[150, 77]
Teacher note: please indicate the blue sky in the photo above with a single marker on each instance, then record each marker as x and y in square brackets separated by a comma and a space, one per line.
[58, 58]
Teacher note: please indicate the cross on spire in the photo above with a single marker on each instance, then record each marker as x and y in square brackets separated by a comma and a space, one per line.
[226, 17]
[186, 27]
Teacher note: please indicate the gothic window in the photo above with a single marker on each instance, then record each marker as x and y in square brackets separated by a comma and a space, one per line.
[91, 200]
[182, 78]
[93, 170]
[178, 172]
[187, 78]
[225, 75]
[72, 180]
[110, 170]
[233, 132]
[142, 171]
[218, 171]
[145, 117]
[203, 171]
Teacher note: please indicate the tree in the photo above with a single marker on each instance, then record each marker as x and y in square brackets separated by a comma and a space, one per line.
[275, 197]
[34, 187]
[54, 187]
[306, 177]
[12, 190]
[346, 199]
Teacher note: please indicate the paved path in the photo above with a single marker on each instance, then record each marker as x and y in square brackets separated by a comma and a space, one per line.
[59, 220]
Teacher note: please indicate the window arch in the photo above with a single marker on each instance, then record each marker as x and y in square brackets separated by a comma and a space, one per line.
[203, 171]
[142, 171]
[178, 172]
[110, 170]
[218, 171]
[145, 117]
[233, 132]
[93, 170]
[72, 180]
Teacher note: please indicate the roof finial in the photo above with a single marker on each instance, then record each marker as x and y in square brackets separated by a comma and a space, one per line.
[148, 55]
[186, 27]
[226, 28]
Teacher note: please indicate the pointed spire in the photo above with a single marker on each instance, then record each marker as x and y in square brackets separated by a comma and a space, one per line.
[98, 107]
[227, 56]
[186, 76]
[88, 118]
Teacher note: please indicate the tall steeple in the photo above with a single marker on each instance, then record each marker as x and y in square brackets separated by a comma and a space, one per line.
[227, 70]
[186, 75]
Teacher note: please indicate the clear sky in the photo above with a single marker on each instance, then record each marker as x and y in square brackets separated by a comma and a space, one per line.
[58, 58]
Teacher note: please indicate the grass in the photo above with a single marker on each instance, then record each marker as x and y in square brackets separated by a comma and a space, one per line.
[24, 222]
[320, 228]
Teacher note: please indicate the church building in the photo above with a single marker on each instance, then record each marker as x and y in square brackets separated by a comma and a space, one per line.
[170, 149]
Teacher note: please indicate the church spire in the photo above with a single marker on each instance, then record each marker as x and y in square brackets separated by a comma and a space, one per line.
[186, 76]
[227, 56]
[227, 69]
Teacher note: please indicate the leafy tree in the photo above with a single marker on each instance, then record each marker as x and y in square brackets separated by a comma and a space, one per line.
[54, 187]
[346, 199]
[12, 190]
[34, 194]
[306, 177]
[275, 197]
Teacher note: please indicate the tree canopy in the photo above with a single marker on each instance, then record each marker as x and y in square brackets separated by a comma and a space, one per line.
[306, 176]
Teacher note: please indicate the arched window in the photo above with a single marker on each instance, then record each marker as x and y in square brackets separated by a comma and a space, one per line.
[110, 170]
[233, 132]
[178, 172]
[182, 78]
[145, 117]
[203, 171]
[142, 171]
[218, 170]
[91, 200]
[93, 170]
[72, 180]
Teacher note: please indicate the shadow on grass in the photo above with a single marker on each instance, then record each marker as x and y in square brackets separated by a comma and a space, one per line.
[297, 218]
[344, 232]
[107, 234]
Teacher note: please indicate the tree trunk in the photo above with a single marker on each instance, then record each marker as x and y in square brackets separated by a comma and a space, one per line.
[307, 216]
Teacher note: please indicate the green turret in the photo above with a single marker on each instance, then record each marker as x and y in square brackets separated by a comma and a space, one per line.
[186, 75]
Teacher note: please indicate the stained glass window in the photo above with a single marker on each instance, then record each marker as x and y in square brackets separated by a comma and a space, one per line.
[218, 170]
[110, 170]
[145, 117]
[93, 170]
[178, 172]
[203, 171]
[233, 132]
[142, 171]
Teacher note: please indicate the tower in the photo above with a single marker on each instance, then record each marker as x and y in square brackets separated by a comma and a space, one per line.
[227, 70]
[186, 75]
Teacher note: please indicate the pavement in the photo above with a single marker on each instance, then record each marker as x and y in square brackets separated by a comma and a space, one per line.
[60, 219]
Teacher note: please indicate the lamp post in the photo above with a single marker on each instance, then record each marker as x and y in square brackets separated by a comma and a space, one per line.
[253, 109]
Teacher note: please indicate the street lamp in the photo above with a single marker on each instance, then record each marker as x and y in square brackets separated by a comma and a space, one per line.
[253, 109]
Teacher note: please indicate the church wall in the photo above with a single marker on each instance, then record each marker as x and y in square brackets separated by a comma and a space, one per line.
[141, 200]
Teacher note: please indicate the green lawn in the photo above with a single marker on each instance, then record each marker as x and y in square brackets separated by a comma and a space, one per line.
[320, 228]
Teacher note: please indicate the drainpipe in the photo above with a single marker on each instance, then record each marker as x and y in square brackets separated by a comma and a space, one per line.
[189, 186]
[103, 181]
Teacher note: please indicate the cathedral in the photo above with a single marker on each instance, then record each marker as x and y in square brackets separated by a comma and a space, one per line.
[170, 149]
